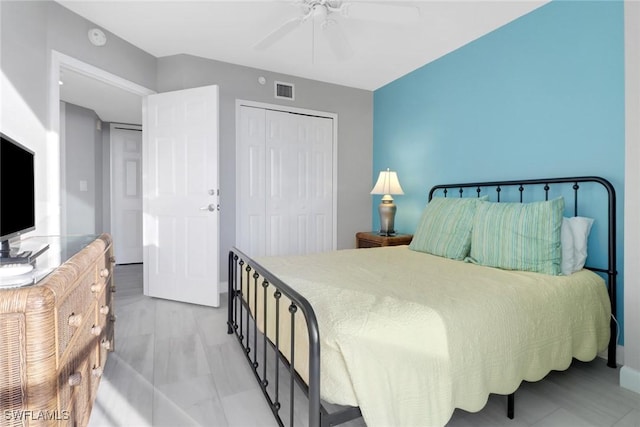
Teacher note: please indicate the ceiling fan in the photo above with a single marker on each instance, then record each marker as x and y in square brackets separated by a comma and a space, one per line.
[331, 13]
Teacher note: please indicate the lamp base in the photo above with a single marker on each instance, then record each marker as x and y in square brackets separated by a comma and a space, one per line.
[385, 234]
[387, 211]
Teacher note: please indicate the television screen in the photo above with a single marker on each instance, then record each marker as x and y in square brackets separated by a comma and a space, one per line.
[17, 189]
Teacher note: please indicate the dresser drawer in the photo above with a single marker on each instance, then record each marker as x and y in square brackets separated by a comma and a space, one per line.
[75, 391]
[103, 268]
[74, 380]
[73, 310]
[106, 319]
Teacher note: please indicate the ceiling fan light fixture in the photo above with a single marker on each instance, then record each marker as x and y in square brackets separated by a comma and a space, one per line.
[320, 12]
[323, 12]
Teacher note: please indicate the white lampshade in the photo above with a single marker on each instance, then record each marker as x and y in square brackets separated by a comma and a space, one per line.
[387, 183]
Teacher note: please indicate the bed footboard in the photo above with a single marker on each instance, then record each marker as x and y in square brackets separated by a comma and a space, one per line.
[264, 314]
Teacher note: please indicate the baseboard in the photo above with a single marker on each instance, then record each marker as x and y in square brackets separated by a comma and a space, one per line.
[630, 379]
[223, 287]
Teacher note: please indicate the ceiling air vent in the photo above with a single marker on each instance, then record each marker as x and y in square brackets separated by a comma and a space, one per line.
[284, 90]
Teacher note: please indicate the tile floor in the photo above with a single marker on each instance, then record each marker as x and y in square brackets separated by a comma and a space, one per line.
[175, 365]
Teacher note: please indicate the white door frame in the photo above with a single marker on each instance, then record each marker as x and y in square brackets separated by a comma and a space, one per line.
[295, 110]
[55, 144]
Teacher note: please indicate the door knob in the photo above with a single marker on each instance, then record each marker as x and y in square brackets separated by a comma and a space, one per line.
[210, 208]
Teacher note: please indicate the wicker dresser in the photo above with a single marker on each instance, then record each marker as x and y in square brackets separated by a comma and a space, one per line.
[54, 339]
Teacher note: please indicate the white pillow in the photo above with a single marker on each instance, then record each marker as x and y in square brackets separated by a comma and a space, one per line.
[580, 227]
[574, 235]
[566, 241]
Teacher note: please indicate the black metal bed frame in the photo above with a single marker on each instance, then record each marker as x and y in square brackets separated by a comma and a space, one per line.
[242, 323]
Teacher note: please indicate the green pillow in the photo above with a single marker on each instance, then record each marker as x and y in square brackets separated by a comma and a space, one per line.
[445, 227]
[518, 236]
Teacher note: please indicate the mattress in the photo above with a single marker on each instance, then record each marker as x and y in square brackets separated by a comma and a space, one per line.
[408, 337]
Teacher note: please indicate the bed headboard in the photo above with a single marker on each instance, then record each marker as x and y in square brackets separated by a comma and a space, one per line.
[542, 189]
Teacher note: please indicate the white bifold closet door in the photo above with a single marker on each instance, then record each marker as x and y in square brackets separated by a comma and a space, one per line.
[285, 181]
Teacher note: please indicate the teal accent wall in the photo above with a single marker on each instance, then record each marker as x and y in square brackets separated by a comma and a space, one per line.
[542, 96]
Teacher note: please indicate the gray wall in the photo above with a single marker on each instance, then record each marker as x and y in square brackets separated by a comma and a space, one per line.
[84, 158]
[29, 30]
[67, 33]
[354, 108]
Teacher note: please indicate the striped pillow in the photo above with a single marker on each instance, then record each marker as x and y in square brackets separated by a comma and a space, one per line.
[518, 236]
[445, 227]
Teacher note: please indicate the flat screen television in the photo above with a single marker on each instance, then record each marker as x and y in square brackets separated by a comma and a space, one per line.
[17, 194]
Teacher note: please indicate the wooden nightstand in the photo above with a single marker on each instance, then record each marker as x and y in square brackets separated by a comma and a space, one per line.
[368, 239]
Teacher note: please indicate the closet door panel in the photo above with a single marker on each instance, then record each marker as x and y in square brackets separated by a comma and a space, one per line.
[296, 192]
[251, 182]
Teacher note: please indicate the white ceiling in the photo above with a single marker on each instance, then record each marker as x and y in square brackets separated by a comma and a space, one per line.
[383, 50]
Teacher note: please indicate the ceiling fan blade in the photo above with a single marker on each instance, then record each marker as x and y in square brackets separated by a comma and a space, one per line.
[280, 32]
[385, 12]
[337, 39]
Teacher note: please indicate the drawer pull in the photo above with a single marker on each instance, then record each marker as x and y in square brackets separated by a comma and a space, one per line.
[104, 273]
[95, 288]
[75, 379]
[75, 320]
[96, 330]
[106, 344]
[113, 288]
[104, 310]
[97, 372]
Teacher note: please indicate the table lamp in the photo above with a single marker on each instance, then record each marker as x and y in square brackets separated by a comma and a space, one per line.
[387, 185]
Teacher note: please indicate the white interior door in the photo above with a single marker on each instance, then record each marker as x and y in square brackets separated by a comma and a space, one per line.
[180, 197]
[285, 182]
[126, 193]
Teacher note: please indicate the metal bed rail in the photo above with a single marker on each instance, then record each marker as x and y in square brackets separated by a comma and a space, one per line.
[248, 283]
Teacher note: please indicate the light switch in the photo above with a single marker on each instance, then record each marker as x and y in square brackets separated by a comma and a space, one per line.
[83, 185]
